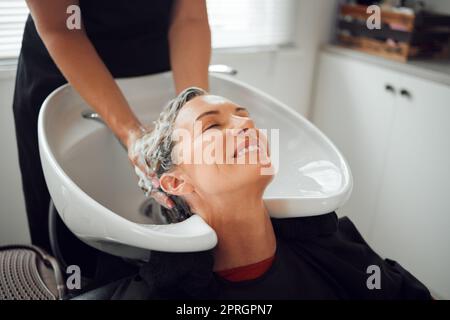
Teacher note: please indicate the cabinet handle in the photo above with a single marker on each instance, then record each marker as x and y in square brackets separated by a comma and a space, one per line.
[406, 94]
[390, 88]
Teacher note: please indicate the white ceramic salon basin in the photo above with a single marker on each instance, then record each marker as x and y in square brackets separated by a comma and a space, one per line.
[94, 187]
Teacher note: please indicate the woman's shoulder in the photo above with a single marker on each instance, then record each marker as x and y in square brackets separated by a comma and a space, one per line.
[318, 226]
[334, 248]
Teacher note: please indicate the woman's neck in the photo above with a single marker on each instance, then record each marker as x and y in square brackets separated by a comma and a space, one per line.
[245, 234]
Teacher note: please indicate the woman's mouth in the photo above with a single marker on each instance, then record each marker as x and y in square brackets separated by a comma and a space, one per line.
[245, 147]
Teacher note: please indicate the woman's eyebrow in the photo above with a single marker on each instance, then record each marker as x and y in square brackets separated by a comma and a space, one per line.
[211, 112]
[204, 114]
[241, 109]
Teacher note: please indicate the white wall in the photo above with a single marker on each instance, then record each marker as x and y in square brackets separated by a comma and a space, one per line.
[288, 73]
[442, 6]
[13, 221]
[278, 73]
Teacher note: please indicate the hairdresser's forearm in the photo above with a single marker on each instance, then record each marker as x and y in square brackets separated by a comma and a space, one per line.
[77, 59]
[79, 62]
[190, 53]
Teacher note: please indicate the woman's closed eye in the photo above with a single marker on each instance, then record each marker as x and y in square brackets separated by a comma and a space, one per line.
[211, 126]
[243, 113]
[214, 122]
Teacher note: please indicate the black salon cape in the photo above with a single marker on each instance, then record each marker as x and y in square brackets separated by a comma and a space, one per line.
[320, 257]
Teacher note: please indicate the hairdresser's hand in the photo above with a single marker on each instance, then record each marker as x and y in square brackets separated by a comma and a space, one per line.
[148, 180]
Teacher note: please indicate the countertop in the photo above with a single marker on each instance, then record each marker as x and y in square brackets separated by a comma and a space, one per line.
[433, 70]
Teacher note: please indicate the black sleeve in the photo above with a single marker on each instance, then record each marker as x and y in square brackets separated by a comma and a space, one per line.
[410, 288]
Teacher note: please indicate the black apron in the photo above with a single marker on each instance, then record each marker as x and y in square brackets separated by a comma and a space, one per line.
[131, 37]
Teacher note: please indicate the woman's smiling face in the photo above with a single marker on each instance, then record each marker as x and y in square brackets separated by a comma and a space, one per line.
[217, 147]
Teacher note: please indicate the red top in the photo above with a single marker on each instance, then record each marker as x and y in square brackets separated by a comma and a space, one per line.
[248, 272]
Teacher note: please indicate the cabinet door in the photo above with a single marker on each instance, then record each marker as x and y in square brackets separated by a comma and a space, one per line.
[355, 110]
[412, 222]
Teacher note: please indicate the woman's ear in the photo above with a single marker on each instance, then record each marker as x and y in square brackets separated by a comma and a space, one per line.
[175, 184]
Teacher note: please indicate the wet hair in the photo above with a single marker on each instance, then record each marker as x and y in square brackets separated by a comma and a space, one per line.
[159, 145]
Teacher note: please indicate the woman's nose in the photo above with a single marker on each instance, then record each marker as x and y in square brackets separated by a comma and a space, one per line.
[241, 123]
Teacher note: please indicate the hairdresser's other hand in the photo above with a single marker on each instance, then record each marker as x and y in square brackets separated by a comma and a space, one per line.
[148, 180]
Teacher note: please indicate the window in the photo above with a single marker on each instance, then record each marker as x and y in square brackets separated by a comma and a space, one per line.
[250, 23]
[13, 14]
[234, 23]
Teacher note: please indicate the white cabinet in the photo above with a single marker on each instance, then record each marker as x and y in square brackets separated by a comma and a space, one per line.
[354, 108]
[394, 130]
[412, 220]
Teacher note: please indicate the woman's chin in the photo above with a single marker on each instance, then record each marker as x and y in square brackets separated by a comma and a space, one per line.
[253, 173]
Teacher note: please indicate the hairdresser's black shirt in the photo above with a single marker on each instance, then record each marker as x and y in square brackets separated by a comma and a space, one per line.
[317, 257]
[131, 38]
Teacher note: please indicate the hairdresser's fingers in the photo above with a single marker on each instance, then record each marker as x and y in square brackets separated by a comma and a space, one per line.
[137, 160]
[150, 175]
[148, 179]
[148, 186]
[136, 156]
[159, 197]
[162, 199]
[143, 182]
[154, 179]
[138, 163]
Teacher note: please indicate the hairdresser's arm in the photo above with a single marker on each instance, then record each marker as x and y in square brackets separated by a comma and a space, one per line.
[190, 44]
[80, 64]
